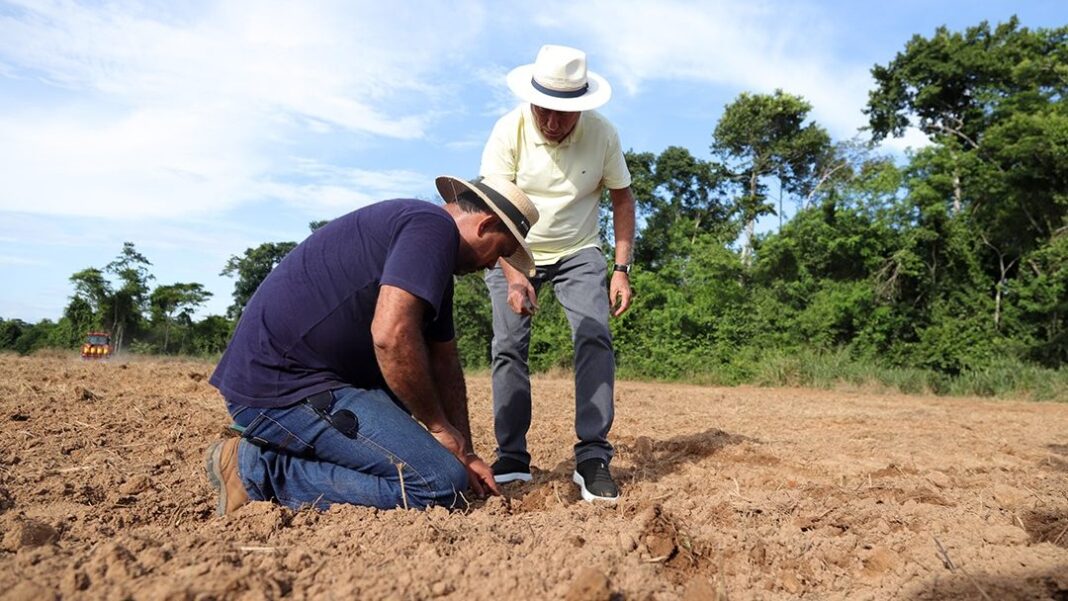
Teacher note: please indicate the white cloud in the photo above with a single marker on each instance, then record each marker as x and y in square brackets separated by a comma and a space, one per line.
[324, 187]
[15, 260]
[501, 99]
[757, 46]
[147, 163]
[913, 139]
[169, 114]
[473, 140]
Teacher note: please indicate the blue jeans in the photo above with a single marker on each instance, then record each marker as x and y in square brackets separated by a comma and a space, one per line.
[295, 456]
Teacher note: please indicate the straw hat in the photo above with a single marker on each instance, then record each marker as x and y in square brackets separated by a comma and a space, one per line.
[558, 80]
[507, 201]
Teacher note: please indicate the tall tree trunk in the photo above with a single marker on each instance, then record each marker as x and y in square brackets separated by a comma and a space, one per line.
[119, 331]
[780, 202]
[957, 194]
[747, 249]
[1003, 276]
[750, 224]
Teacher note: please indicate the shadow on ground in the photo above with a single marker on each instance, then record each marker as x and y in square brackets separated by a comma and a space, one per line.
[640, 459]
[650, 460]
[1047, 525]
[962, 585]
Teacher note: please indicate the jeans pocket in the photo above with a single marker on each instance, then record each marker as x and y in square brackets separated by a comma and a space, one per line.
[267, 432]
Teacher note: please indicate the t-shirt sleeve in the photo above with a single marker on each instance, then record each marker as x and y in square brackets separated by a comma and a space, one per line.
[616, 174]
[498, 156]
[442, 328]
[421, 259]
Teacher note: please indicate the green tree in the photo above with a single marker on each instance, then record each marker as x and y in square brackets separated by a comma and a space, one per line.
[813, 278]
[10, 332]
[473, 320]
[35, 336]
[211, 334]
[762, 136]
[94, 289]
[993, 102]
[117, 308]
[175, 303]
[129, 299]
[679, 198]
[957, 85]
[77, 320]
[1041, 295]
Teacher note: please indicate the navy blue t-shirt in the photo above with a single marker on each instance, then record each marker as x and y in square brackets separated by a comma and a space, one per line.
[308, 326]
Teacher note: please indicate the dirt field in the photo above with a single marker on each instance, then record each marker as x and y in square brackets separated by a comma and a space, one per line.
[736, 493]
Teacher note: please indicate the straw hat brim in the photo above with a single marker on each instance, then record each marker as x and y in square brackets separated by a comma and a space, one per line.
[596, 95]
[450, 187]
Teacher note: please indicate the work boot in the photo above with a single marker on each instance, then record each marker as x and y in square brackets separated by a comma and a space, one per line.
[221, 464]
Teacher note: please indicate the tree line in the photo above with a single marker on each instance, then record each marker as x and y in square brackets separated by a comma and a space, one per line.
[951, 262]
[947, 267]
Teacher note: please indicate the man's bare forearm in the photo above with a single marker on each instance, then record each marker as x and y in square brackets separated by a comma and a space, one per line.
[623, 223]
[452, 390]
[405, 367]
[511, 274]
[403, 357]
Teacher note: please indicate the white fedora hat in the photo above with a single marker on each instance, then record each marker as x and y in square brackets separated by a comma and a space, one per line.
[507, 201]
[559, 80]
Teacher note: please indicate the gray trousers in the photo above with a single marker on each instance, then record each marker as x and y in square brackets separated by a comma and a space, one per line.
[579, 283]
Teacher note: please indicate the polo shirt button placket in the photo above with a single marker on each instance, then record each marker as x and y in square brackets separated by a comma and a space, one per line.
[554, 152]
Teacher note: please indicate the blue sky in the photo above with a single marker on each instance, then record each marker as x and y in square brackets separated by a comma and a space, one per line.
[198, 129]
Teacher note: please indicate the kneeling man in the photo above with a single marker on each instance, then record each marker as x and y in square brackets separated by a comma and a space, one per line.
[343, 372]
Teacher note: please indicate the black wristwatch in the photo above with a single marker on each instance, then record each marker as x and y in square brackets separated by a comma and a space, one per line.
[624, 267]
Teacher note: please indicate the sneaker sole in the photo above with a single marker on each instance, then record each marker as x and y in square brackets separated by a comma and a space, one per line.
[588, 496]
[512, 477]
[211, 465]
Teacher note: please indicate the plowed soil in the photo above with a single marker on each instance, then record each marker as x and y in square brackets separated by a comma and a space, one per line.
[728, 493]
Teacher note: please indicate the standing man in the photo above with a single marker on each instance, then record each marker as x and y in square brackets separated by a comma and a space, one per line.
[343, 372]
[562, 154]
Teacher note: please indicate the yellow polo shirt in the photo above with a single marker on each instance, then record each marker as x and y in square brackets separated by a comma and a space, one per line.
[564, 180]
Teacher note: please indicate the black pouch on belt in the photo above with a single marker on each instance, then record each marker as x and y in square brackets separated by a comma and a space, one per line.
[343, 421]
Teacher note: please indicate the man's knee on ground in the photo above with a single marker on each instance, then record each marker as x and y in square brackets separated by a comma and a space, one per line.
[443, 488]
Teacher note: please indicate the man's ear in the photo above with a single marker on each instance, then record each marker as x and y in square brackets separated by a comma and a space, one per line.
[487, 223]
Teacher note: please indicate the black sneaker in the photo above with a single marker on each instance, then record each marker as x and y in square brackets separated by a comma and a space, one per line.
[595, 481]
[510, 470]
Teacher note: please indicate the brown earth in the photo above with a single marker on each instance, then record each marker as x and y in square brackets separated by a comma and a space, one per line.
[737, 493]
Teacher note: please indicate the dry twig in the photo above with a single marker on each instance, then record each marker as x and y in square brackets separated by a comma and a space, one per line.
[404, 491]
[467, 504]
[1058, 539]
[253, 549]
[948, 563]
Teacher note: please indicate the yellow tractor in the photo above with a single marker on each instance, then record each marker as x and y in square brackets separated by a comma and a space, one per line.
[97, 346]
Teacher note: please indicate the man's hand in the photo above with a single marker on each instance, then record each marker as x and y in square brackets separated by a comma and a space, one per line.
[480, 476]
[619, 293]
[450, 438]
[522, 298]
[521, 295]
